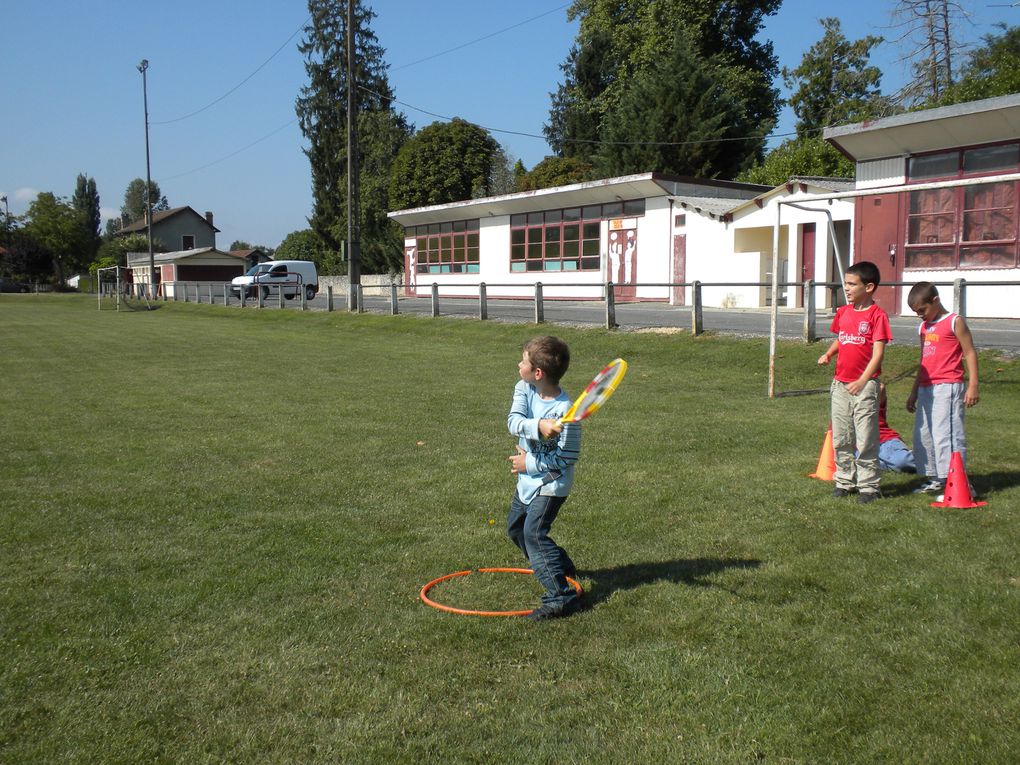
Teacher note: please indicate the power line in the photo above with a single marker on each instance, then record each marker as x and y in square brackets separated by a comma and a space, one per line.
[242, 82]
[578, 140]
[480, 39]
[233, 154]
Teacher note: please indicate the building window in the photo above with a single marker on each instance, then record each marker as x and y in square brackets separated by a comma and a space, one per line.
[188, 242]
[564, 240]
[964, 227]
[959, 163]
[447, 248]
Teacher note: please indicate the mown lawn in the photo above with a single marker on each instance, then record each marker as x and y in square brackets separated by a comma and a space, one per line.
[214, 525]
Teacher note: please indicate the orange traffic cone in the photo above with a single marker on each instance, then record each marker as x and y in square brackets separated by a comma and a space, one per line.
[826, 460]
[957, 494]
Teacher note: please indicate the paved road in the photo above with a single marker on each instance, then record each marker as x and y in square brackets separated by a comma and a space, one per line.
[988, 333]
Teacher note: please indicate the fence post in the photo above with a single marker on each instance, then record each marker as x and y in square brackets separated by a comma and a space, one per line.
[483, 302]
[810, 333]
[243, 293]
[360, 295]
[329, 298]
[210, 295]
[279, 297]
[539, 307]
[697, 318]
[610, 306]
[352, 296]
[435, 300]
[394, 309]
[304, 297]
[960, 297]
[225, 299]
[185, 292]
[261, 298]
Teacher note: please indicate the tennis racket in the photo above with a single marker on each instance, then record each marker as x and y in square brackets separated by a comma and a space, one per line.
[597, 393]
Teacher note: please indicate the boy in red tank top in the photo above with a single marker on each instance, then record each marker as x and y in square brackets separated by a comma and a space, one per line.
[940, 396]
[862, 331]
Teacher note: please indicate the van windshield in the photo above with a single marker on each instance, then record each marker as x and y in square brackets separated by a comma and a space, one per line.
[259, 269]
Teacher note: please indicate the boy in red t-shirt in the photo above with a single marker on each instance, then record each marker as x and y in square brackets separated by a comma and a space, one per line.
[940, 396]
[862, 331]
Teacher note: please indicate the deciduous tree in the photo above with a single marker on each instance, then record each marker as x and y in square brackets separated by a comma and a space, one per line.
[808, 156]
[444, 162]
[992, 69]
[135, 198]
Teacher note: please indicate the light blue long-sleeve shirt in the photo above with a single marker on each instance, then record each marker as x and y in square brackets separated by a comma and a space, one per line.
[549, 463]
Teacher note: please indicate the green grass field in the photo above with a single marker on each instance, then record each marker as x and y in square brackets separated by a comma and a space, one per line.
[215, 524]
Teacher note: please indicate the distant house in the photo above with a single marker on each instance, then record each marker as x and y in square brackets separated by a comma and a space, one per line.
[936, 199]
[201, 266]
[179, 228]
[250, 257]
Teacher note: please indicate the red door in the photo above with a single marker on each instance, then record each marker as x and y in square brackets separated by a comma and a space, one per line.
[807, 255]
[878, 238]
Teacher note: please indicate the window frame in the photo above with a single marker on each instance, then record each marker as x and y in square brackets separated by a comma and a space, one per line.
[451, 247]
[565, 239]
[960, 253]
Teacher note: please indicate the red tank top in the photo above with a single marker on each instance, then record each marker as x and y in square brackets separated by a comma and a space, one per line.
[941, 354]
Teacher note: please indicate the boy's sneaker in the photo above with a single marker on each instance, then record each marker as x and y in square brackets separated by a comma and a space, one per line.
[867, 497]
[932, 486]
[544, 612]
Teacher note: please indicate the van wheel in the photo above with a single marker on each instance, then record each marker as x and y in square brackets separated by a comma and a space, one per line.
[265, 292]
[310, 292]
[290, 297]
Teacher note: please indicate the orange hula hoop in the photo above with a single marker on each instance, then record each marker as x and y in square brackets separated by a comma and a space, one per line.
[469, 612]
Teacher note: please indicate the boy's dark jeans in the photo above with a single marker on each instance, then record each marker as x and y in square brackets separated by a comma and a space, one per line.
[528, 527]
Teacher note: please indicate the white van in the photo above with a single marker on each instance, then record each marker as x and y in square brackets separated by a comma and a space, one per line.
[291, 276]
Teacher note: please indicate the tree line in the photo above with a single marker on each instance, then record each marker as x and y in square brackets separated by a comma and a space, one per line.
[676, 86]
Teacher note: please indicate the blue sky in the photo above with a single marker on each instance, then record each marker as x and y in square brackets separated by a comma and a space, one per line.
[72, 93]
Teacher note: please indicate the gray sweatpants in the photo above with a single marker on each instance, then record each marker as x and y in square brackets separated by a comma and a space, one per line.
[938, 428]
[855, 426]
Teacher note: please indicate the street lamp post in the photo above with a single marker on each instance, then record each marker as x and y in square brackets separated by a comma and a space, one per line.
[142, 67]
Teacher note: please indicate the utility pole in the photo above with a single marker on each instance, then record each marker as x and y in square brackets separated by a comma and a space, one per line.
[142, 67]
[353, 212]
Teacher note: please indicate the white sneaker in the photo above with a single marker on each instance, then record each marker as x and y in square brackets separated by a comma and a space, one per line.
[933, 486]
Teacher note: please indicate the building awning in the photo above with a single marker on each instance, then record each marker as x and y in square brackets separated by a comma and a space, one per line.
[968, 124]
[642, 186]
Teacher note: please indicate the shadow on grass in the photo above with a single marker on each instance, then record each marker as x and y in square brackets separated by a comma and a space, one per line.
[693, 572]
[983, 483]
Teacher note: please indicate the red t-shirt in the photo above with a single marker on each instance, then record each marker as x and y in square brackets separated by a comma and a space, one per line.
[885, 432]
[858, 331]
[941, 354]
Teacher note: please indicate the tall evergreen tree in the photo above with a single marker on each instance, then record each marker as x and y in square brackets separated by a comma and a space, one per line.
[835, 82]
[322, 111]
[86, 202]
[678, 116]
[620, 40]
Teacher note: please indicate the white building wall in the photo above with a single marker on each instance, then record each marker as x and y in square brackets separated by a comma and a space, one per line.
[983, 301]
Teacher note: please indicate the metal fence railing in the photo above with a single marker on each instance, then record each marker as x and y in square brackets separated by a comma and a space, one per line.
[595, 304]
